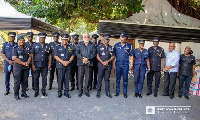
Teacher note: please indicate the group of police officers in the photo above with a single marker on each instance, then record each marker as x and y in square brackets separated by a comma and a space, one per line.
[75, 62]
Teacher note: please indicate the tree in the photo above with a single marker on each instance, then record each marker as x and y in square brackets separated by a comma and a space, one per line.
[187, 7]
[73, 13]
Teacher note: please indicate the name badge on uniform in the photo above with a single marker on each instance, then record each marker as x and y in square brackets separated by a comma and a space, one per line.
[62, 55]
[60, 49]
[21, 57]
[103, 53]
[101, 48]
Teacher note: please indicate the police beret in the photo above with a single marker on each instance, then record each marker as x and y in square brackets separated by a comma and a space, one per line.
[106, 36]
[29, 34]
[156, 39]
[141, 41]
[56, 34]
[20, 37]
[95, 36]
[123, 35]
[42, 34]
[12, 34]
[75, 36]
[64, 36]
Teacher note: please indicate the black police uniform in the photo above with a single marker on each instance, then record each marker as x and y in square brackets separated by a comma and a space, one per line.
[88, 52]
[41, 64]
[53, 62]
[155, 57]
[105, 53]
[93, 80]
[74, 67]
[7, 51]
[20, 72]
[63, 71]
[29, 46]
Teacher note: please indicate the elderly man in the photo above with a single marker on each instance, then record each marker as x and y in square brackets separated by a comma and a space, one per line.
[85, 53]
[171, 70]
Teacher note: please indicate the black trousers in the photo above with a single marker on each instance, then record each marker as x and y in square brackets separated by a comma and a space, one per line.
[52, 71]
[74, 71]
[20, 77]
[150, 75]
[93, 77]
[63, 78]
[43, 71]
[169, 83]
[30, 66]
[84, 70]
[104, 73]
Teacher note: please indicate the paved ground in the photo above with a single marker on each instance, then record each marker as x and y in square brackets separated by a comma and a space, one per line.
[104, 108]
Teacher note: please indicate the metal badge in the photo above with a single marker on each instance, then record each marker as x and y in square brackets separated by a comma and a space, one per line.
[62, 54]
[103, 53]
[21, 57]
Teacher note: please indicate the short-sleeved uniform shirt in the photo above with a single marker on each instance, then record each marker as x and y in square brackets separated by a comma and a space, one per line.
[140, 59]
[122, 54]
[186, 65]
[7, 50]
[105, 53]
[53, 46]
[155, 57]
[22, 54]
[64, 54]
[41, 54]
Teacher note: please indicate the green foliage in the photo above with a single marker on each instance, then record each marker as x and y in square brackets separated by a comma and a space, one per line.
[67, 13]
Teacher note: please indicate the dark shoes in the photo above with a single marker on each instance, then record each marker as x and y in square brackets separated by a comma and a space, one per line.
[87, 94]
[117, 94]
[50, 87]
[17, 97]
[155, 95]
[94, 88]
[149, 93]
[180, 96]
[67, 95]
[27, 89]
[80, 94]
[136, 94]
[165, 95]
[59, 95]
[125, 95]
[24, 95]
[98, 95]
[186, 97]
[140, 96]
[36, 94]
[109, 95]
[72, 89]
[44, 94]
[6, 93]
[171, 97]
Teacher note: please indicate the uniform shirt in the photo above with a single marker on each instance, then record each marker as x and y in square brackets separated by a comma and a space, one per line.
[29, 46]
[186, 65]
[105, 53]
[74, 62]
[53, 46]
[7, 50]
[41, 54]
[22, 54]
[155, 57]
[140, 58]
[172, 59]
[95, 61]
[88, 52]
[122, 54]
[64, 54]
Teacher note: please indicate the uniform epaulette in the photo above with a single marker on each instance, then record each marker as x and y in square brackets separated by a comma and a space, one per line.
[58, 45]
[15, 46]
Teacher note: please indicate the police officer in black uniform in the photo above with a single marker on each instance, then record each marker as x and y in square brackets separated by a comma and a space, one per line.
[21, 58]
[85, 53]
[74, 67]
[105, 57]
[156, 56]
[7, 56]
[41, 63]
[29, 45]
[93, 80]
[64, 55]
[53, 61]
